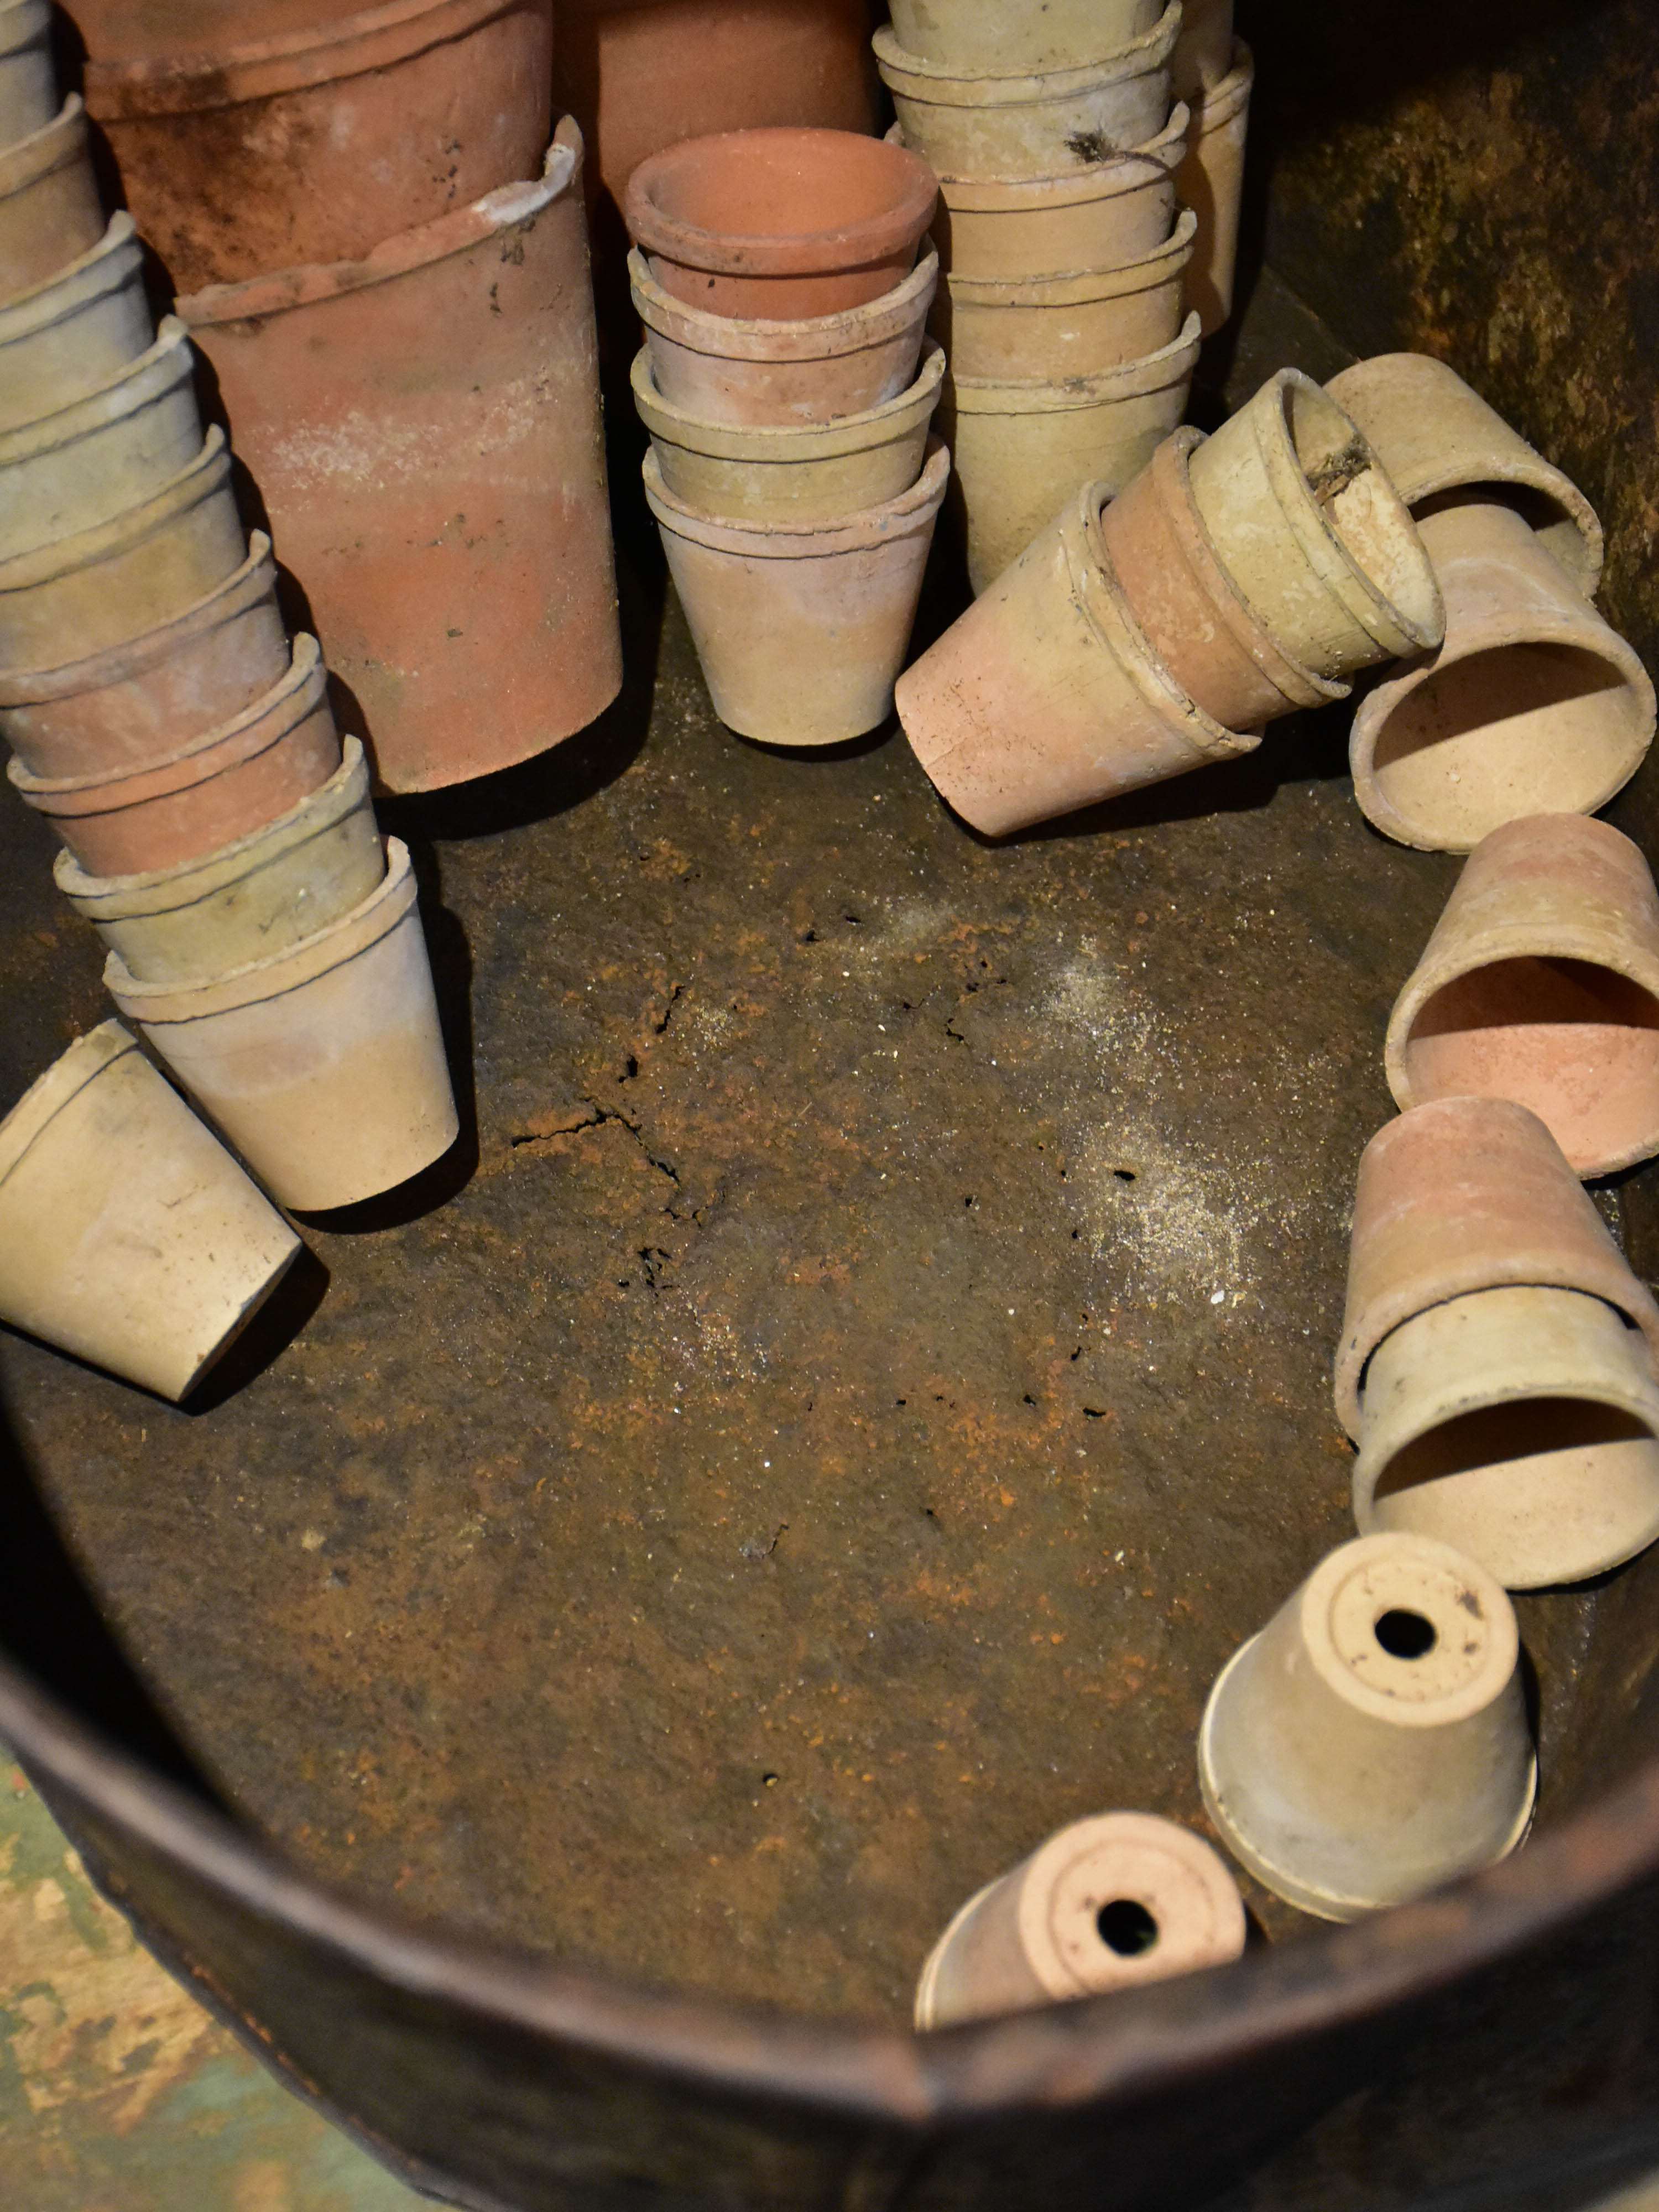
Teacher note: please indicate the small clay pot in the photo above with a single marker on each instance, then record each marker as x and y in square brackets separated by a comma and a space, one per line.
[260, 897]
[801, 628]
[1204, 52]
[403, 113]
[1021, 449]
[1196, 619]
[103, 453]
[131, 703]
[1013, 124]
[1532, 705]
[50, 211]
[452, 373]
[1046, 696]
[324, 1065]
[1542, 984]
[1211, 181]
[1371, 1742]
[1057, 328]
[1107, 1904]
[780, 224]
[128, 1237]
[725, 369]
[1313, 534]
[65, 338]
[789, 473]
[1114, 211]
[1520, 1425]
[28, 83]
[1469, 1195]
[220, 786]
[1433, 435]
[106, 585]
[990, 38]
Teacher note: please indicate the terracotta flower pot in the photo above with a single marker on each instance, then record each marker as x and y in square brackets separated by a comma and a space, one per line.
[1106, 1903]
[1046, 697]
[128, 1237]
[62, 339]
[1469, 1195]
[1432, 435]
[220, 786]
[790, 473]
[1056, 328]
[260, 896]
[128, 705]
[50, 211]
[1196, 619]
[28, 83]
[1521, 1425]
[1112, 212]
[404, 113]
[108, 585]
[1204, 52]
[990, 37]
[1021, 448]
[780, 224]
[1371, 1742]
[801, 627]
[1542, 984]
[1532, 705]
[451, 374]
[323, 1065]
[1211, 181]
[970, 123]
[726, 370]
[103, 454]
[1313, 534]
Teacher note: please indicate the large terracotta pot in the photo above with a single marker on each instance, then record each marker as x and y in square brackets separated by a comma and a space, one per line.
[148, 30]
[424, 427]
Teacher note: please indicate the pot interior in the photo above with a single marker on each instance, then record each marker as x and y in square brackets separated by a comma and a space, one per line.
[789, 189]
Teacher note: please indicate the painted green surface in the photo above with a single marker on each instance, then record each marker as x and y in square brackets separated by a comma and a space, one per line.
[118, 2093]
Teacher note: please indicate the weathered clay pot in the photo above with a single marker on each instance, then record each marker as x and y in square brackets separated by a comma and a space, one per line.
[1196, 619]
[1058, 328]
[1313, 534]
[1532, 705]
[990, 37]
[1520, 1425]
[103, 454]
[1106, 1903]
[1542, 984]
[108, 585]
[1211, 181]
[1469, 1195]
[778, 224]
[317, 144]
[1432, 435]
[62, 339]
[1100, 217]
[260, 897]
[1371, 1742]
[801, 628]
[131, 703]
[790, 473]
[1204, 52]
[128, 1237]
[148, 30]
[1030, 124]
[220, 786]
[28, 83]
[1021, 449]
[424, 429]
[50, 211]
[325, 1064]
[1046, 697]
[726, 370]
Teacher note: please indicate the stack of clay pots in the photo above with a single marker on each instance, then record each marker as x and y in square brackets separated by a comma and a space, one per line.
[1076, 286]
[788, 390]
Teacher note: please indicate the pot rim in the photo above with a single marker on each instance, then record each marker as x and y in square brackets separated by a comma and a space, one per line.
[1078, 288]
[55, 145]
[1155, 162]
[82, 1063]
[21, 23]
[1218, 106]
[207, 474]
[1135, 379]
[107, 267]
[896, 519]
[768, 254]
[144, 382]
[762, 337]
[914, 78]
[790, 443]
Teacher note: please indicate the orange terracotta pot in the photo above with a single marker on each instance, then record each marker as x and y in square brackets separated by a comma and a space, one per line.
[148, 30]
[424, 427]
[226, 785]
[316, 144]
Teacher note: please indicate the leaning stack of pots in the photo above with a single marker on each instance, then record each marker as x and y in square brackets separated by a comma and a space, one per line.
[1091, 160]
[788, 390]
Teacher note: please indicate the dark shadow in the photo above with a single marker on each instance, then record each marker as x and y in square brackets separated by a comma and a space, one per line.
[814, 755]
[271, 1330]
